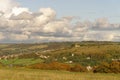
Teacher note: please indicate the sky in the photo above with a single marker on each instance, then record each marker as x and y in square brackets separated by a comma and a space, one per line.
[85, 9]
[24, 21]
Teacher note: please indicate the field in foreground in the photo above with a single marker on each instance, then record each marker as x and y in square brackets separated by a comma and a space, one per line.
[29, 74]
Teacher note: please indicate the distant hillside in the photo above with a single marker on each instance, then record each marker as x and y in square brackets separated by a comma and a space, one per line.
[85, 52]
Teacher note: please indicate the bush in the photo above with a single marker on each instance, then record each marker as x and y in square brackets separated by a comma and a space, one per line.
[59, 66]
[113, 67]
[39, 66]
[102, 68]
[51, 66]
[78, 68]
[30, 55]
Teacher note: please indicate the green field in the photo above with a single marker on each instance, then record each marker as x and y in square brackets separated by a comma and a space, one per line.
[23, 62]
[29, 74]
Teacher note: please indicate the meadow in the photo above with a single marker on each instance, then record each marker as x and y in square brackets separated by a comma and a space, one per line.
[30, 74]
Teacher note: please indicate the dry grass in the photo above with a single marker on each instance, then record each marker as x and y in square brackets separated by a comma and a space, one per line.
[38, 47]
[91, 49]
[23, 74]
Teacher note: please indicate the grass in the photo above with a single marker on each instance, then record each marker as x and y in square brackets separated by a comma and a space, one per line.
[92, 49]
[29, 74]
[21, 61]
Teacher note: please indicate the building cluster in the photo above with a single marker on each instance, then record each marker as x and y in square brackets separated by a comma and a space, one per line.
[10, 56]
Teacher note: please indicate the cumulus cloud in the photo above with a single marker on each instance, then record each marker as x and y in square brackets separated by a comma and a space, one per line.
[18, 37]
[47, 15]
[6, 6]
[22, 16]
[19, 24]
[103, 24]
[17, 10]
[99, 36]
[57, 26]
[1, 36]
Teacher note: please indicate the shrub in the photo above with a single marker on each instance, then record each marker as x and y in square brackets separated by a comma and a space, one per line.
[51, 66]
[30, 55]
[59, 66]
[78, 68]
[113, 67]
[39, 66]
[102, 68]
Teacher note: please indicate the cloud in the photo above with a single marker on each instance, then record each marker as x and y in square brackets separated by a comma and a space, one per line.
[6, 6]
[22, 16]
[18, 10]
[46, 15]
[103, 24]
[57, 26]
[18, 37]
[2, 36]
[19, 24]
[99, 36]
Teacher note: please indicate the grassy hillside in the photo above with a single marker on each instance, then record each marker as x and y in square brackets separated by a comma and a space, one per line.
[21, 62]
[85, 53]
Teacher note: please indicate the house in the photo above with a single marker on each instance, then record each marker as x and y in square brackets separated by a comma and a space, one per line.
[77, 45]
